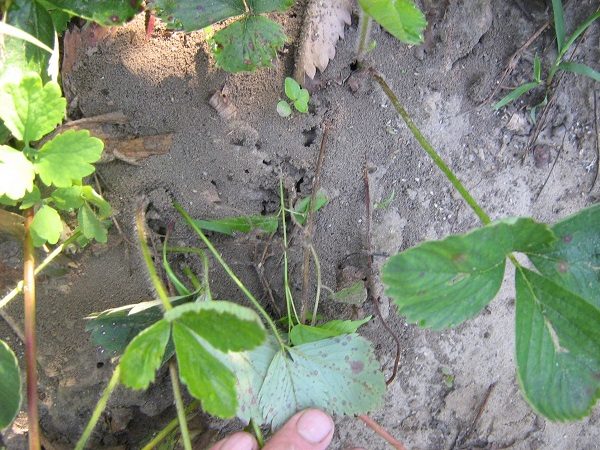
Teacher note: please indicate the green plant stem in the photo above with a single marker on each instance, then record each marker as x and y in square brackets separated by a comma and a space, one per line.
[154, 278]
[318, 295]
[364, 24]
[172, 425]
[185, 434]
[230, 272]
[485, 219]
[258, 433]
[30, 337]
[47, 260]
[100, 406]
[289, 299]
[205, 273]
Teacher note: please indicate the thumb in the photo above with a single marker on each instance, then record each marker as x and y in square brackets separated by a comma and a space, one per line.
[308, 430]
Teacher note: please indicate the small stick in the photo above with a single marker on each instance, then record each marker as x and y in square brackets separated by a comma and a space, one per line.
[310, 225]
[477, 416]
[382, 432]
[597, 145]
[552, 168]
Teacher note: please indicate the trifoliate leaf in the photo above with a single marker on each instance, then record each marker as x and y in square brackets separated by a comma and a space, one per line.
[91, 226]
[442, 283]
[30, 110]
[224, 325]
[557, 347]
[339, 375]
[401, 18]
[67, 158]
[283, 108]
[10, 385]
[46, 226]
[248, 44]
[16, 173]
[107, 13]
[292, 88]
[206, 378]
[144, 355]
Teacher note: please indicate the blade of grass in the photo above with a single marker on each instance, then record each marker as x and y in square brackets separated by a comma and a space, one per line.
[516, 93]
[578, 31]
[559, 24]
[580, 69]
[179, 286]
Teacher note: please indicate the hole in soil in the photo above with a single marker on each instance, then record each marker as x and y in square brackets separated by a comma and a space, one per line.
[266, 162]
[246, 171]
[258, 145]
[298, 184]
[309, 136]
[99, 365]
[354, 65]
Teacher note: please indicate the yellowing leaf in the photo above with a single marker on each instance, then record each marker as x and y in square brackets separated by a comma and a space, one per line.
[16, 173]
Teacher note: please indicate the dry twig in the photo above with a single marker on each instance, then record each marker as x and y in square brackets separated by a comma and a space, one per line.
[382, 432]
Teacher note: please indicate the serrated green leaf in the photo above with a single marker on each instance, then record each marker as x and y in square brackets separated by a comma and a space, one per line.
[301, 207]
[46, 226]
[292, 88]
[114, 328]
[226, 326]
[10, 385]
[303, 377]
[355, 294]
[91, 226]
[31, 18]
[67, 199]
[194, 15]
[301, 103]
[144, 355]
[107, 13]
[580, 69]
[31, 199]
[67, 158]
[283, 108]
[515, 94]
[248, 44]
[30, 110]
[573, 260]
[266, 6]
[242, 224]
[557, 346]
[16, 173]
[206, 378]
[440, 284]
[401, 18]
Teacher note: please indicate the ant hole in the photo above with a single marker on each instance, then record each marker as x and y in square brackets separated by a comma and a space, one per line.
[100, 365]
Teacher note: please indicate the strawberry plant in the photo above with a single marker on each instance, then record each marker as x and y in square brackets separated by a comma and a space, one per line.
[298, 96]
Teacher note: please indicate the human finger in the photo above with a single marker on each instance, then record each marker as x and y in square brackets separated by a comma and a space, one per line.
[311, 429]
[237, 441]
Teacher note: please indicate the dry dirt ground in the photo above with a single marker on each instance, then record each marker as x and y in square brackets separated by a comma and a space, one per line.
[454, 389]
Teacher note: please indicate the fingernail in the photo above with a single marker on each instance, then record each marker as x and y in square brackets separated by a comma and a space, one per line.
[239, 441]
[314, 426]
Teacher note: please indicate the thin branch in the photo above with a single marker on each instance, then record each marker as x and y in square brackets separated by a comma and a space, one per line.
[382, 432]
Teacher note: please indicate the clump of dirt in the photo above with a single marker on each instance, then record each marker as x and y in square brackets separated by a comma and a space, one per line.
[454, 389]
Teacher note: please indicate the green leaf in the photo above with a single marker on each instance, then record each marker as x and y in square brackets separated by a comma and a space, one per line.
[537, 69]
[301, 103]
[32, 18]
[292, 88]
[242, 224]
[248, 44]
[16, 173]
[580, 69]
[107, 13]
[283, 108]
[401, 18]
[345, 326]
[557, 346]
[67, 158]
[515, 94]
[31, 199]
[224, 325]
[301, 207]
[440, 284]
[92, 197]
[46, 226]
[559, 24]
[10, 385]
[573, 260]
[339, 375]
[114, 328]
[91, 226]
[578, 32]
[207, 379]
[192, 15]
[266, 6]
[67, 199]
[4, 133]
[303, 334]
[144, 355]
[355, 294]
[30, 110]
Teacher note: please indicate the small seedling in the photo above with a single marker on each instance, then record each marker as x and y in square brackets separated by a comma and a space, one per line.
[298, 97]
[564, 44]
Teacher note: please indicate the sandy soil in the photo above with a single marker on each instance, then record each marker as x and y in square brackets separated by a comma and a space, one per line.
[455, 389]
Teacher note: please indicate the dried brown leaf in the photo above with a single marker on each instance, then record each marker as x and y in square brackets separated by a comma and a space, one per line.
[324, 23]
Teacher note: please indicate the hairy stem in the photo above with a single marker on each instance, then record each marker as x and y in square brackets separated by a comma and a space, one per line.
[485, 219]
[318, 294]
[257, 433]
[100, 406]
[364, 24]
[289, 300]
[47, 260]
[185, 434]
[230, 272]
[30, 338]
